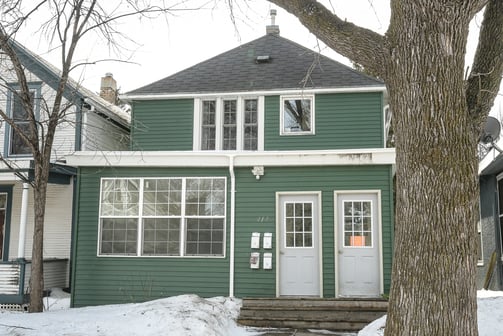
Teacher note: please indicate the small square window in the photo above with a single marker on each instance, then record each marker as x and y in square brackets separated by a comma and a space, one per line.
[297, 115]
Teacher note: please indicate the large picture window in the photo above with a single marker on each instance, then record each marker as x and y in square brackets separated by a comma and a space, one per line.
[162, 216]
[297, 115]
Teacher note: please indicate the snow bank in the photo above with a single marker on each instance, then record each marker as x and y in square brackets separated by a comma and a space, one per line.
[489, 315]
[185, 315]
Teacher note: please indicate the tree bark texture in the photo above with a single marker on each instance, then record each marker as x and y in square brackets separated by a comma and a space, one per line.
[437, 118]
[42, 168]
[433, 283]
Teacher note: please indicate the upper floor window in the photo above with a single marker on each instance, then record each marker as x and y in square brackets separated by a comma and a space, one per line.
[228, 124]
[297, 115]
[15, 145]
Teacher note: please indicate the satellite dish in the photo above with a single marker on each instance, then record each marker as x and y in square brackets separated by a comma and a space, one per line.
[491, 131]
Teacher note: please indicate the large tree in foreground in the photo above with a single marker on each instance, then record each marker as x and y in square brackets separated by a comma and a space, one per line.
[438, 113]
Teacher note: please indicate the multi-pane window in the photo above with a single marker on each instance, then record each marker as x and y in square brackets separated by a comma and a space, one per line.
[162, 217]
[208, 125]
[297, 115]
[229, 124]
[19, 116]
[298, 224]
[250, 137]
[357, 223]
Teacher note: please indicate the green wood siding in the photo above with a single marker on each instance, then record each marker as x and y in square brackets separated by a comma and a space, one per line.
[256, 212]
[105, 280]
[162, 125]
[342, 121]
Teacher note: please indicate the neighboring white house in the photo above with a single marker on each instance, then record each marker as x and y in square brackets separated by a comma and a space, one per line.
[91, 123]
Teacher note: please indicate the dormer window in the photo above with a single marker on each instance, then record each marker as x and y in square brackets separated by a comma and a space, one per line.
[228, 124]
[297, 115]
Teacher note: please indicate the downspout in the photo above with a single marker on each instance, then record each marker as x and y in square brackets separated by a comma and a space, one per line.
[232, 224]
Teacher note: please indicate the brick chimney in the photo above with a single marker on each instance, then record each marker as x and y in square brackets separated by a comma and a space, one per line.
[108, 90]
[272, 29]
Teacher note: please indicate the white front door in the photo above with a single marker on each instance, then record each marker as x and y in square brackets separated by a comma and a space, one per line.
[358, 244]
[298, 243]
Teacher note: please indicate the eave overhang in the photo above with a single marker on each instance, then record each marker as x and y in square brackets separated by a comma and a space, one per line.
[379, 156]
[185, 95]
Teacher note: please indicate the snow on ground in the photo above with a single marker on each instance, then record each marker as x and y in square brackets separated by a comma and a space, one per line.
[489, 315]
[185, 315]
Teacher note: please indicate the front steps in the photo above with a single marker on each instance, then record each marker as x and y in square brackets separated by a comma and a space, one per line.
[329, 314]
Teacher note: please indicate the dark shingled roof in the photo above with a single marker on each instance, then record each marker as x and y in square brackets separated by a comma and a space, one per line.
[290, 66]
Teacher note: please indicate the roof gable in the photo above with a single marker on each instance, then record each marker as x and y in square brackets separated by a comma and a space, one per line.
[290, 66]
[50, 75]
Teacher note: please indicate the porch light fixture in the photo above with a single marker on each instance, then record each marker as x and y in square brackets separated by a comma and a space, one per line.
[258, 171]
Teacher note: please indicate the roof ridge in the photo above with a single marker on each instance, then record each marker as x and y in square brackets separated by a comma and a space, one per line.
[237, 69]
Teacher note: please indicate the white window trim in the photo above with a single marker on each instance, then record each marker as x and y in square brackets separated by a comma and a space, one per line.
[182, 224]
[281, 115]
[196, 134]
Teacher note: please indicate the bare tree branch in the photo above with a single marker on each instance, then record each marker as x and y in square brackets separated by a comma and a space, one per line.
[485, 77]
[361, 45]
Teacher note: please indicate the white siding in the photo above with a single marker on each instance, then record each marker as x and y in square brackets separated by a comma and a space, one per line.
[55, 274]
[99, 134]
[58, 222]
[64, 141]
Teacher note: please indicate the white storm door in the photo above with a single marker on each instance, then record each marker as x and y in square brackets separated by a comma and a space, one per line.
[358, 245]
[299, 250]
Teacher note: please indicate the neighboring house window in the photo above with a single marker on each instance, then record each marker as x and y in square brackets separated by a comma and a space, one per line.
[228, 124]
[297, 115]
[16, 145]
[162, 217]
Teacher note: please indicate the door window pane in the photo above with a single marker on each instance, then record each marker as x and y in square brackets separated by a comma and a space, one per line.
[298, 224]
[357, 219]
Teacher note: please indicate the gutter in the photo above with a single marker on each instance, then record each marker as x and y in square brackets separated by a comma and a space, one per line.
[232, 225]
[191, 95]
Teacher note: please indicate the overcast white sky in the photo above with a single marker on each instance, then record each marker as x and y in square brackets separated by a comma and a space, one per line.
[189, 37]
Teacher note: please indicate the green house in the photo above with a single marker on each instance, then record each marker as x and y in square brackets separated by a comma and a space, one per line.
[261, 172]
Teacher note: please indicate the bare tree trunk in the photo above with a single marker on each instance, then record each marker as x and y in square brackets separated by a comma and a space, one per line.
[433, 288]
[37, 266]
